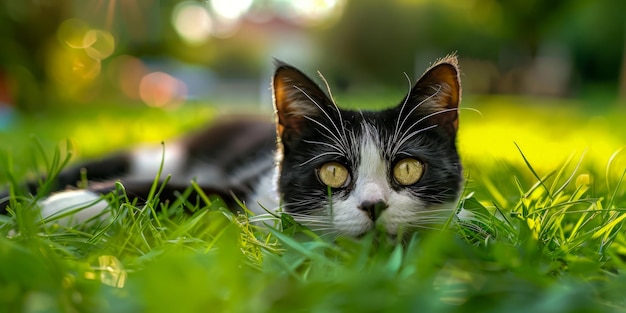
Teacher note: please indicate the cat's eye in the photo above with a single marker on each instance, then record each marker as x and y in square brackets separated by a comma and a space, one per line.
[408, 171]
[333, 174]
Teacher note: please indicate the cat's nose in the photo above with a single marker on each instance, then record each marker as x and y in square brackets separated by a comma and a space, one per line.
[373, 208]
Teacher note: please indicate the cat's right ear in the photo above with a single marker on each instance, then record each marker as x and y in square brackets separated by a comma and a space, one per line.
[438, 94]
[296, 99]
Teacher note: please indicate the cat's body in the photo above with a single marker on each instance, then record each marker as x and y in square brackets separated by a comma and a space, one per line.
[339, 172]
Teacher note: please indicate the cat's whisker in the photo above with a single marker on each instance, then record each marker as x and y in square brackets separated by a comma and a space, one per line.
[319, 156]
[309, 202]
[335, 143]
[436, 198]
[435, 216]
[324, 144]
[316, 224]
[330, 93]
[354, 149]
[320, 224]
[405, 138]
[414, 125]
[399, 129]
[441, 216]
[440, 197]
[417, 106]
[331, 120]
[311, 215]
[409, 114]
[404, 103]
[428, 220]
[424, 227]
[332, 100]
[336, 139]
[435, 210]
[436, 113]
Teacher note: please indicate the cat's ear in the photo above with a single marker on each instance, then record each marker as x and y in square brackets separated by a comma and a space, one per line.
[296, 99]
[438, 93]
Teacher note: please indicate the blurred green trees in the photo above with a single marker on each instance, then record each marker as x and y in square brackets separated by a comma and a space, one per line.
[26, 31]
[384, 40]
[556, 48]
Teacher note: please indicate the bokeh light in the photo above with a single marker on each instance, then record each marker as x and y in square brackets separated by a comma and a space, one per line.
[72, 33]
[99, 44]
[546, 50]
[71, 67]
[158, 89]
[192, 22]
[76, 61]
[315, 11]
[126, 72]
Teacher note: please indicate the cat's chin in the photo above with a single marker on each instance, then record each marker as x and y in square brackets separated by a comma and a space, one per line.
[381, 230]
[359, 225]
[381, 237]
[353, 224]
[369, 228]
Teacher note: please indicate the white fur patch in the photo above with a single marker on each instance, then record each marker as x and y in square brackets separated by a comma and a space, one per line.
[202, 173]
[265, 195]
[146, 161]
[372, 185]
[82, 204]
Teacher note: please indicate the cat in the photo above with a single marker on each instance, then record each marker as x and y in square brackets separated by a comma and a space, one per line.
[339, 172]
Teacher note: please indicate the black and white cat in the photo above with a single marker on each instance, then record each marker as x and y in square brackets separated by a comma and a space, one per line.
[340, 172]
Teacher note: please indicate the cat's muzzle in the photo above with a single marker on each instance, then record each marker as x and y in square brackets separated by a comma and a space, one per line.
[373, 208]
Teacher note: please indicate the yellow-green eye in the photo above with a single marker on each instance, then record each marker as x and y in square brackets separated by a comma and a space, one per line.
[408, 171]
[333, 174]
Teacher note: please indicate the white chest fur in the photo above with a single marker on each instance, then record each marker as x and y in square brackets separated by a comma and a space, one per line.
[265, 196]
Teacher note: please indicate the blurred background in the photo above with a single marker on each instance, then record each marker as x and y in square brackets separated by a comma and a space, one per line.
[163, 53]
[549, 76]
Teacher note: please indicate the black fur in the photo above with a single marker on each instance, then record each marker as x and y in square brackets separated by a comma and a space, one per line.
[437, 148]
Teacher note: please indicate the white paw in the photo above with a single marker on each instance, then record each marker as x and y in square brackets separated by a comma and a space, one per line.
[73, 207]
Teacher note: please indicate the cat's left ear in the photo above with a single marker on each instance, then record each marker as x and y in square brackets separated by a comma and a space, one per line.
[438, 93]
[296, 99]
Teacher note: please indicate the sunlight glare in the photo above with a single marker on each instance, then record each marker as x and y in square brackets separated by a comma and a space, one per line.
[231, 9]
[316, 11]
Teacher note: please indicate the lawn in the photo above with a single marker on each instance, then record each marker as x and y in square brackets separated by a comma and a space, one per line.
[544, 183]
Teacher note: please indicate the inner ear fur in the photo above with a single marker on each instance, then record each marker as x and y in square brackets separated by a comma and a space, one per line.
[438, 90]
[444, 74]
[296, 97]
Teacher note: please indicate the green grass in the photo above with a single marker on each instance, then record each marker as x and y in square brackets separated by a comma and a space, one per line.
[544, 183]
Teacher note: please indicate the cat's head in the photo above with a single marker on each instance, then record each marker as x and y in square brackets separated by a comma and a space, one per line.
[347, 172]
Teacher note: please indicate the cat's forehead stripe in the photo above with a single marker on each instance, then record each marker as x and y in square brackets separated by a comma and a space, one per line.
[372, 164]
[371, 184]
